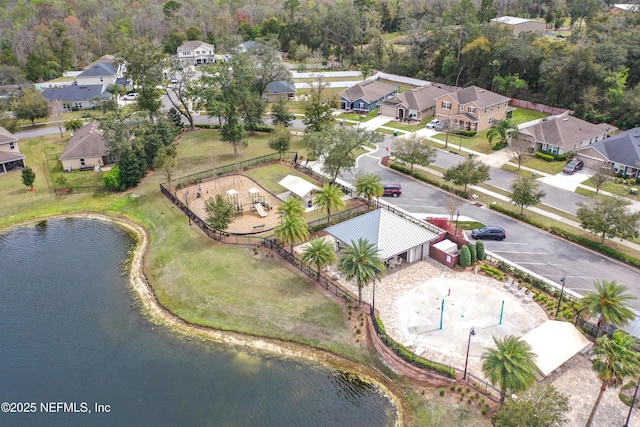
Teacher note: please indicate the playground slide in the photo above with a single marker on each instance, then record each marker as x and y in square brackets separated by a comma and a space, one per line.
[260, 210]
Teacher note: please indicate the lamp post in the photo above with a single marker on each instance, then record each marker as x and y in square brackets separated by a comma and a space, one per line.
[373, 301]
[563, 280]
[457, 218]
[466, 362]
[633, 401]
[186, 199]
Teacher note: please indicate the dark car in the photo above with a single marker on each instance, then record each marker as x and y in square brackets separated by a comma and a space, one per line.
[573, 166]
[489, 232]
[392, 190]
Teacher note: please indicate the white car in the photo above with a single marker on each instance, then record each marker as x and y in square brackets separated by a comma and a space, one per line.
[435, 124]
[131, 96]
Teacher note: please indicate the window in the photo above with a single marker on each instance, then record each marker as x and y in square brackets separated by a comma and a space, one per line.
[461, 107]
[446, 105]
[472, 110]
[82, 163]
[485, 111]
[491, 120]
[361, 105]
[12, 146]
[492, 108]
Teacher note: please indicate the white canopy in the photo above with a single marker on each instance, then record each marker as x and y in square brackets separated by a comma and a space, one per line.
[554, 343]
[298, 186]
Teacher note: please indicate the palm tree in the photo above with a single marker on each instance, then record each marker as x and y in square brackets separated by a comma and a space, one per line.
[291, 206]
[330, 199]
[73, 125]
[609, 304]
[369, 186]
[510, 365]
[505, 129]
[362, 263]
[320, 253]
[615, 361]
[292, 230]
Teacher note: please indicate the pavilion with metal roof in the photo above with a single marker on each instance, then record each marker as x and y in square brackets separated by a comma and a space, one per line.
[392, 235]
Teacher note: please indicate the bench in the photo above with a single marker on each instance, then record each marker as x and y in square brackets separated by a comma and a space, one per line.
[255, 227]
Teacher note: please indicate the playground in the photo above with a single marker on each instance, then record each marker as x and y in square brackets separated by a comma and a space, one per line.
[255, 206]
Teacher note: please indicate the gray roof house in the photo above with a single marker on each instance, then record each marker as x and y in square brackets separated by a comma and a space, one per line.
[86, 149]
[10, 156]
[77, 97]
[416, 104]
[99, 73]
[366, 96]
[620, 153]
[563, 134]
[196, 52]
[393, 236]
[279, 89]
[248, 46]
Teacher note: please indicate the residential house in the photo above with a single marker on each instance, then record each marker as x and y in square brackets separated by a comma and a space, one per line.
[416, 104]
[280, 89]
[365, 97]
[563, 134]
[99, 73]
[196, 52]
[624, 8]
[85, 150]
[10, 156]
[521, 25]
[77, 97]
[619, 153]
[248, 46]
[472, 108]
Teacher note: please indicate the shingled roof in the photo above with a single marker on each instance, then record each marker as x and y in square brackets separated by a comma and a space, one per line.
[99, 69]
[623, 148]
[78, 93]
[418, 99]
[479, 96]
[565, 131]
[6, 136]
[369, 91]
[86, 142]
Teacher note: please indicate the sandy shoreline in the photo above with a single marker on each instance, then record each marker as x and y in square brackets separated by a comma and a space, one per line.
[157, 313]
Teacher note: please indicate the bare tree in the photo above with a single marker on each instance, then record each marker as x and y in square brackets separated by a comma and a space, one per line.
[519, 150]
[452, 204]
[55, 108]
[600, 176]
[182, 94]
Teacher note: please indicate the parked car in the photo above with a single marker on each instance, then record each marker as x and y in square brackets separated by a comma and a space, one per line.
[394, 190]
[435, 124]
[489, 232]
[131, 96]
[573, 166]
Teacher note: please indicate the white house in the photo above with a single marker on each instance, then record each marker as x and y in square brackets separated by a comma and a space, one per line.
[196, 52]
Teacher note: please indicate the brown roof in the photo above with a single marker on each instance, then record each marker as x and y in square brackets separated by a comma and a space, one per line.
[194, 44]
[565, 130]
[86, 142]
[6, 136]
[369, 91]
[418, 99]
[11, 156]
[481, 97]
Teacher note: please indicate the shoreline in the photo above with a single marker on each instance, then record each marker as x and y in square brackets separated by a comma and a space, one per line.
[151, 307]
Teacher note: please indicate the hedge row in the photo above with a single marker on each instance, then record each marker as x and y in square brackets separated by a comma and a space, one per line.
[416, 175]
[551, 157]
[583, 241]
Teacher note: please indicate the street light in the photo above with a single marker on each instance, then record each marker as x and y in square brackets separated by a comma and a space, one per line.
[633, 401]
[373, 302]
[455, 233]
[466, 362]
[563, 280]
[186, 199]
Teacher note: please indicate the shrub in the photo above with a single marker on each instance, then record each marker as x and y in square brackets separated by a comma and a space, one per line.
[473, 252]
[465, 257]
[441, 392]
[111, 178]
[452, 387]
[544, 156]
[480, 250]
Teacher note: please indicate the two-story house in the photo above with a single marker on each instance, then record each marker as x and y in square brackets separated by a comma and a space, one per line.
[563, 133]
[10, 156]
[365, 97]
[472, 108]
[196, 52]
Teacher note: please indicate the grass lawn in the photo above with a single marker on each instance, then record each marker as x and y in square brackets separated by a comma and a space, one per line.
[406, 127]
[523, 115]
[358, 117]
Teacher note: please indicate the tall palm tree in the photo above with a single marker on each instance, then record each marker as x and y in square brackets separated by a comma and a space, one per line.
[505, 129]
[510, 365]
[292, 230]
[362, 263]
[320, 253]
[330, 199]
[615, 360]
[609, 303]
[369, 186]
[291, 206]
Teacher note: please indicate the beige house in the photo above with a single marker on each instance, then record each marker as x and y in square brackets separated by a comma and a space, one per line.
[472, 108]
[416, 104]
[196, 52]
[521, 25]
[10, 156]
[85, 150]
[563, 133]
